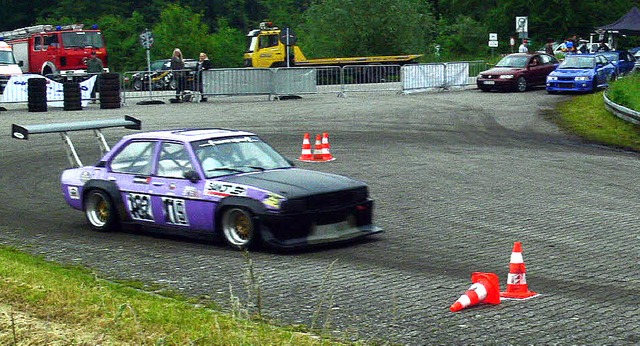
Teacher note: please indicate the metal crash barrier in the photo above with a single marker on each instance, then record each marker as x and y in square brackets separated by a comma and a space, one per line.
[166, 84]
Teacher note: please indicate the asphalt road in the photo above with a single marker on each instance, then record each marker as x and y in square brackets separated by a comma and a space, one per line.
[458, 177]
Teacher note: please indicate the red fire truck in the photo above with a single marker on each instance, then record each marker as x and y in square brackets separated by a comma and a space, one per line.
[56, 51]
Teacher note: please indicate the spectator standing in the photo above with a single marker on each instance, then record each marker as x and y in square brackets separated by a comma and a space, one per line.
[95, 67]
[177, 68]
[203, 64]
[523, 47]
[603, 47]
[548, 48]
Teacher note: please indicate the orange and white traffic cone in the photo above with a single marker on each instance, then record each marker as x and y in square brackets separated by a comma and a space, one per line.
[517, 287]
[306, 149]
[485, 289]
[326, 154]
[317, 151]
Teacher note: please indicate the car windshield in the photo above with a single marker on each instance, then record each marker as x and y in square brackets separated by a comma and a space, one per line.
[611, 56]
[224, 156]
[575, 61]
[82, 39]
[513, 61]
[6, 57]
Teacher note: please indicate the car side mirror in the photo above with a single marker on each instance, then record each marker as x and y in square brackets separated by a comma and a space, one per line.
[20, 63]
[192, 176]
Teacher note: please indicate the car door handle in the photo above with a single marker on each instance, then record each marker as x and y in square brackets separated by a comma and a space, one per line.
[157, 183]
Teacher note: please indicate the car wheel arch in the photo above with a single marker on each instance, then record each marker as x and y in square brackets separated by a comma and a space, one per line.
[111, 189]
[251, 207]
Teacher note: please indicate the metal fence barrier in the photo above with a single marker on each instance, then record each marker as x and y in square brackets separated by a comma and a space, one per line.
[166, 84]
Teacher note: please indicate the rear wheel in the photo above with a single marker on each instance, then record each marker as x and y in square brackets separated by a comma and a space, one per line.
[239, 229]
[521, 84]
[100, 211]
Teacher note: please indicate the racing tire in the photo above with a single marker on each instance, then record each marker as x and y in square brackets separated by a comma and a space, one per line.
[521, 84]
[109, 105]
[239, 229]
[100, 211]
[110, 82]
[109, 94]
[109, 75]
[37, 107]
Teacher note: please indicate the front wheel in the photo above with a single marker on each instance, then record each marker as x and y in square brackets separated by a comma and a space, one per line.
[521, 84]
[239, 228]
[100, 211]
[137, 84]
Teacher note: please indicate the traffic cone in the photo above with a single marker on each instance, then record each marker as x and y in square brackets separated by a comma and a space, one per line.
[317, 151]
[485, 289]
[306, 149]
[517, 287]
[326, 154]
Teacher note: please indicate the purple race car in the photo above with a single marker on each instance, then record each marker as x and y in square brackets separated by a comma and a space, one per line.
[222, 182]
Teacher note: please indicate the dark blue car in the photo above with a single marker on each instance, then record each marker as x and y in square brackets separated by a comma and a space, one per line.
[623, 61]
[581, 72]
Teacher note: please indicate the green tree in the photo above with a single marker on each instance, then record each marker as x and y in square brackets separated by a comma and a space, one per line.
[182, 28]
[367, 27]
[124, 48]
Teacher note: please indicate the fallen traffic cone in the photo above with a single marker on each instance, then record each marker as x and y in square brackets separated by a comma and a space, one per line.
[326, 154]
[485, 289]
[517, 287]
[306, 149]
[317, 151]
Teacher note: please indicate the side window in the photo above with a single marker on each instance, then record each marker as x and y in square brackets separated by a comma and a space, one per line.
[37, 43]
[135, 158]
[173, 161]
[268, 41]
[51, 40]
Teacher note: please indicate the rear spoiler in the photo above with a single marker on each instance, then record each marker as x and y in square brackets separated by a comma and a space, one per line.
[23, 132]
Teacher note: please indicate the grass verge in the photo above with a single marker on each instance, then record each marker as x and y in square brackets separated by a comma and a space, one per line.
[44, 303]
[586, 116]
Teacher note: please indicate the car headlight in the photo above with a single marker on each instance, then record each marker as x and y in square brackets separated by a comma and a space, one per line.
[506, 76]
[552, 78]
[583, 78]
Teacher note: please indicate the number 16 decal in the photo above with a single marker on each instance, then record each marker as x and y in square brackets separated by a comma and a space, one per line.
[175, 212]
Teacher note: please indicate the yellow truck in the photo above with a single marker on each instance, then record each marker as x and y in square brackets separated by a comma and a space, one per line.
[267, 48]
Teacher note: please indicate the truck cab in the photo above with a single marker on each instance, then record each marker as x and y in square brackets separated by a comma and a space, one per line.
[266, 50]
[8, 64]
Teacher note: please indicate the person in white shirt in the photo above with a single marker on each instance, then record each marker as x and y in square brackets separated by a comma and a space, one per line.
[523, 47]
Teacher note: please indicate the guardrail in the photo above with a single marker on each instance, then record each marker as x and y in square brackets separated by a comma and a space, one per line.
[621, 112]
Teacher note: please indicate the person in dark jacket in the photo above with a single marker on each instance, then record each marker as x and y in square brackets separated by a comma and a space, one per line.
[177, 68]
[95, 67]
[203, 64]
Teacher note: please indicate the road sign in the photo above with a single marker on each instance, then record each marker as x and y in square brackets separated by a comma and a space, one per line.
[512, 41]
[493, 36]
[493, 44]
[522, 24]
[146, 39]
[288, 37]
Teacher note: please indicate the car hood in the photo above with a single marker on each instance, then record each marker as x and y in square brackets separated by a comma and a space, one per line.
[502, 70]
[295, 182]
[573, 72]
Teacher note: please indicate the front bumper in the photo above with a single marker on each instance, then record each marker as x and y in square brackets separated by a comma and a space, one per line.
[569, 85]
[308, 229]
[495, 83]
